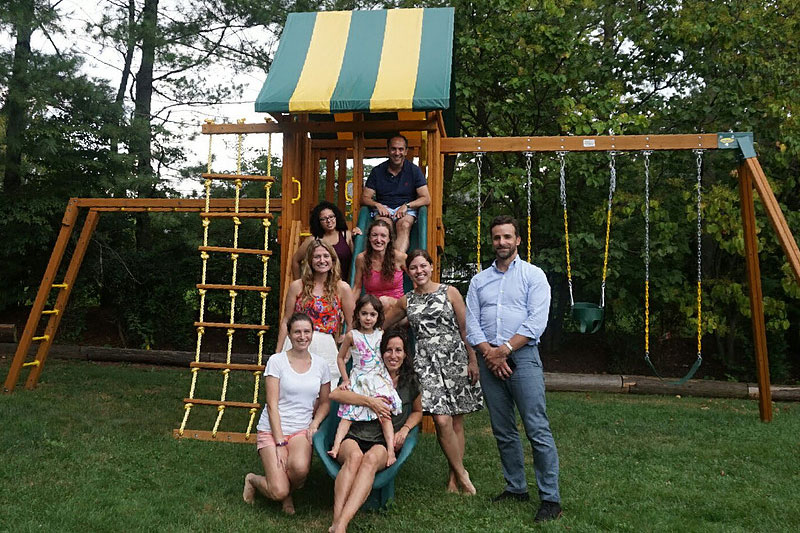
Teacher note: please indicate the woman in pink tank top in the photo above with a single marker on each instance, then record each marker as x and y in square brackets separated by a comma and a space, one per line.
[379, 268]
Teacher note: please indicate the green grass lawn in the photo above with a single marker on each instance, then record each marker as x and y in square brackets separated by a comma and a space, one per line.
[91, 450]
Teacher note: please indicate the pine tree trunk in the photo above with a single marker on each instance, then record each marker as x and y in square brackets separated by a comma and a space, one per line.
[141, 141]
[15, 108]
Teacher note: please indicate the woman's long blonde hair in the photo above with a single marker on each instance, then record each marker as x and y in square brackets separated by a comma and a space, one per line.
[307, 273]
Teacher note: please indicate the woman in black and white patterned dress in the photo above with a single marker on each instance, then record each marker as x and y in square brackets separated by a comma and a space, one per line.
[445, 363]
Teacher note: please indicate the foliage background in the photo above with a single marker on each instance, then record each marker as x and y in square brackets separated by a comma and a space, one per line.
[535, 67]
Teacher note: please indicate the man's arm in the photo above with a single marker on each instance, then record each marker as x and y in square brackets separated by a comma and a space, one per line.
[495, 357]
[475, 335]
[538, 308]
[423, 198]
[368, 199]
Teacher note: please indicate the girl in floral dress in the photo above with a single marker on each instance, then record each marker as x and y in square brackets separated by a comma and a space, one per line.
[369, 376]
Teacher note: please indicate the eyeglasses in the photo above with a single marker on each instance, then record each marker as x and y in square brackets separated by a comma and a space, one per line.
[327, 218]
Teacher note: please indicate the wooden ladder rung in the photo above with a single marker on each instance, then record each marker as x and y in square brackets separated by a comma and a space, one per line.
[234, 250]
[242, 405]
[243, 177]
[219, 436]
[254, 288]
[215, 214]
[230, 366]
[225, 325]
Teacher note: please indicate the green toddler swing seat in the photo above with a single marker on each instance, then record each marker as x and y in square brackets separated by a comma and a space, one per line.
[589, 316]
[383, 486]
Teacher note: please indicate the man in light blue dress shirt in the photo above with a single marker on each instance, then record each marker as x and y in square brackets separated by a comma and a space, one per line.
[507, 308]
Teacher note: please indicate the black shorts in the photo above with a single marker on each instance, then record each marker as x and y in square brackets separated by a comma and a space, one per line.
[363, 445]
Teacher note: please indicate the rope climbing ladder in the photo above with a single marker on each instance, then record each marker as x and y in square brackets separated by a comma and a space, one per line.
[233, 289]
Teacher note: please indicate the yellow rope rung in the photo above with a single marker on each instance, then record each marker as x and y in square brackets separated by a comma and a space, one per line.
[32, 363]
[60, 285]
[42, 338]
[50, 312]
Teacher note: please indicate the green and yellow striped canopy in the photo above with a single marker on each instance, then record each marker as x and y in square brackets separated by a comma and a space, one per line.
[382, 60]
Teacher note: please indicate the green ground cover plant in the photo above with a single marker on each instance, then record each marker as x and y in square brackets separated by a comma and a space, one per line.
[91, 450]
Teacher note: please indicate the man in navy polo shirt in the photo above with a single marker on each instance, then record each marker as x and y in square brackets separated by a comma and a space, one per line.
[395, 189]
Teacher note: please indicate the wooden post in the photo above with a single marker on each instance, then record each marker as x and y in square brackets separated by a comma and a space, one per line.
[309, 178]
[341, 200]
[70, 277]
[290, 210]
[358, 169]
[330, 175]
[756, 298]
[435, 187]
[67, 225]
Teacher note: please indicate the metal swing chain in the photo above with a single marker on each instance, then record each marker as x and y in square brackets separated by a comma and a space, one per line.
[646, 155]
[528, 162]
[479, 164]
[612, 186]
[699, 161]
[563, 194]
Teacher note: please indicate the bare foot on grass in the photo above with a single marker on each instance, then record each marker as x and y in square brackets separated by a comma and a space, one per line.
[466, 484]
[452, 485]
[287, 505]
[249, 492]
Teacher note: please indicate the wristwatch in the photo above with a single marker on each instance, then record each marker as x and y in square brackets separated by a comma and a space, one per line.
[281, 444]
[508, 345]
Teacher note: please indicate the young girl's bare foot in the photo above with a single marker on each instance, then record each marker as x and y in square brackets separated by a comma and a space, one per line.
[391, 460]
[466, 484]
[334, 452]
[249, 490]
[288, 505]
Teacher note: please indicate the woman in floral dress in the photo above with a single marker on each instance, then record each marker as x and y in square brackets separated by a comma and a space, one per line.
[445, 364]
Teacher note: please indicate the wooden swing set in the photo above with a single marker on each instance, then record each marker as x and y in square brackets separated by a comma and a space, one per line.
[341, 135]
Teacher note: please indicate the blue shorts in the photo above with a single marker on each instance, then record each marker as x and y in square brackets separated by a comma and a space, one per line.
[392, 212]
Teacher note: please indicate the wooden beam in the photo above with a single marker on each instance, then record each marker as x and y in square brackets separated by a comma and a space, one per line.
[217, 129]
[775, 215]
[321, 127]
[347, 144]
[455, 145]
[756, 297]
[189, 204]
[221, 436]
